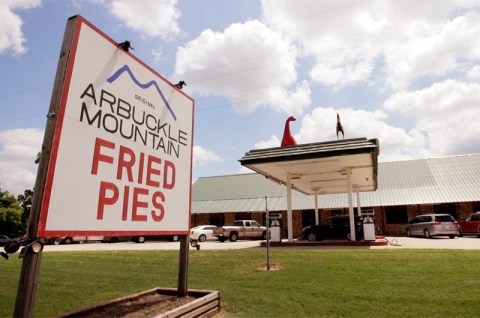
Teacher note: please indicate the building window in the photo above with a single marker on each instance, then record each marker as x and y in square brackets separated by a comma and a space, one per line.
[336, 212]
[217, 219]
[308, 217]
[475, 206]
[450, 208]
[243, 216]
[396, 214]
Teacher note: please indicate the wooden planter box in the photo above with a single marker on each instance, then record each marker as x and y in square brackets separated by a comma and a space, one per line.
[156, 302]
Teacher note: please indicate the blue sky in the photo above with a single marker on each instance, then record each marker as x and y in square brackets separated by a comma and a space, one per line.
[405, 72]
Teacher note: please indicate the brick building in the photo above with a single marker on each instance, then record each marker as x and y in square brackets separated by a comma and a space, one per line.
[405, 189]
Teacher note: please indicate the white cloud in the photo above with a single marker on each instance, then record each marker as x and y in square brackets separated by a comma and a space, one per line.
[202, 156]
[244, 170]
[446, 113]
[249, 63]
[432, 50]
[18, 151]
[389, 45]
[293, 102]
[374, 41]
[271, 143]
[395, 142]
[158, 56]
[11, 35]
[151, 18]
[474, 72]
[343, 73]
[444, 117]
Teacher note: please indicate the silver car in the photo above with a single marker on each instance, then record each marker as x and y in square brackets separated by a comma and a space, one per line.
[429, 225]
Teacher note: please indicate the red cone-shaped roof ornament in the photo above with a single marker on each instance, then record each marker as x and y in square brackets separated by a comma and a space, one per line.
[288, 139]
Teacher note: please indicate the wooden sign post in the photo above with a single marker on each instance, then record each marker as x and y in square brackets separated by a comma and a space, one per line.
[29, 275]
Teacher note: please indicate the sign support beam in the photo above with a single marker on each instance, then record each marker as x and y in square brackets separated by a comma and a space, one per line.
[183, 267]
[268, 233]
[27, 285]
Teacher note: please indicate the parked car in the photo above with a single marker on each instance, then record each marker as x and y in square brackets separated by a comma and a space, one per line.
[51, 240]
[143, 238]
[471, 225]
[115, 239]
[429, 225]
[202, 233]
[80, 239]
[56, 240]
[337, 226]
[4, 240]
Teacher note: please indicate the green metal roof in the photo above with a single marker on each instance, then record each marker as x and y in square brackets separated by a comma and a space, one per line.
[422, 181]
[233, 187]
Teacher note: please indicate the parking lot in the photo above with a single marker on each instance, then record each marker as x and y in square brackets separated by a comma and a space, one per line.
[467, 243]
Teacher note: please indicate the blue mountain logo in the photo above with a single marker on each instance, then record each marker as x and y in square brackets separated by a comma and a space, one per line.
[125, 68]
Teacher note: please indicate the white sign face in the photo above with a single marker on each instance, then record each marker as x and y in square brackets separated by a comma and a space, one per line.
[121, 160]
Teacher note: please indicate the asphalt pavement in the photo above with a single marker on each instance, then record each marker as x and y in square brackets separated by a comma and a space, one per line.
[465, 243]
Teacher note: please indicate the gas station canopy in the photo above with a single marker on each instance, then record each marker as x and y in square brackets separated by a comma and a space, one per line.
[319, 168]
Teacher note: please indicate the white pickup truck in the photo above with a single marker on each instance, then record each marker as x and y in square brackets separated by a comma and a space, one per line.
[241, 229]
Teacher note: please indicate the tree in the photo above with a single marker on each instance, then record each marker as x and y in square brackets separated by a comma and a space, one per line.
[25, 200]
[10, 215]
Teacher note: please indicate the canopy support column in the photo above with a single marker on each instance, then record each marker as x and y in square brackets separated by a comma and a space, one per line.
[348, 172]
[289, 207]
[316, 208]
[359, 207]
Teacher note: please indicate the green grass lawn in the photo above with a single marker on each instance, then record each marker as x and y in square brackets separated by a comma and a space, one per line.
[305, 282]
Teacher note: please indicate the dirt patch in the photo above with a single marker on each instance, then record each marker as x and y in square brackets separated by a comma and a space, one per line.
[145, 306]
[273, 267]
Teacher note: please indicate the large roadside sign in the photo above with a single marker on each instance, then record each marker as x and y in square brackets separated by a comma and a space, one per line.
[121, 160]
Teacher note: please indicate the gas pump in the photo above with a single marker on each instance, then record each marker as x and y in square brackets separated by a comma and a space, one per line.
[275, 229]
[368, 225]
